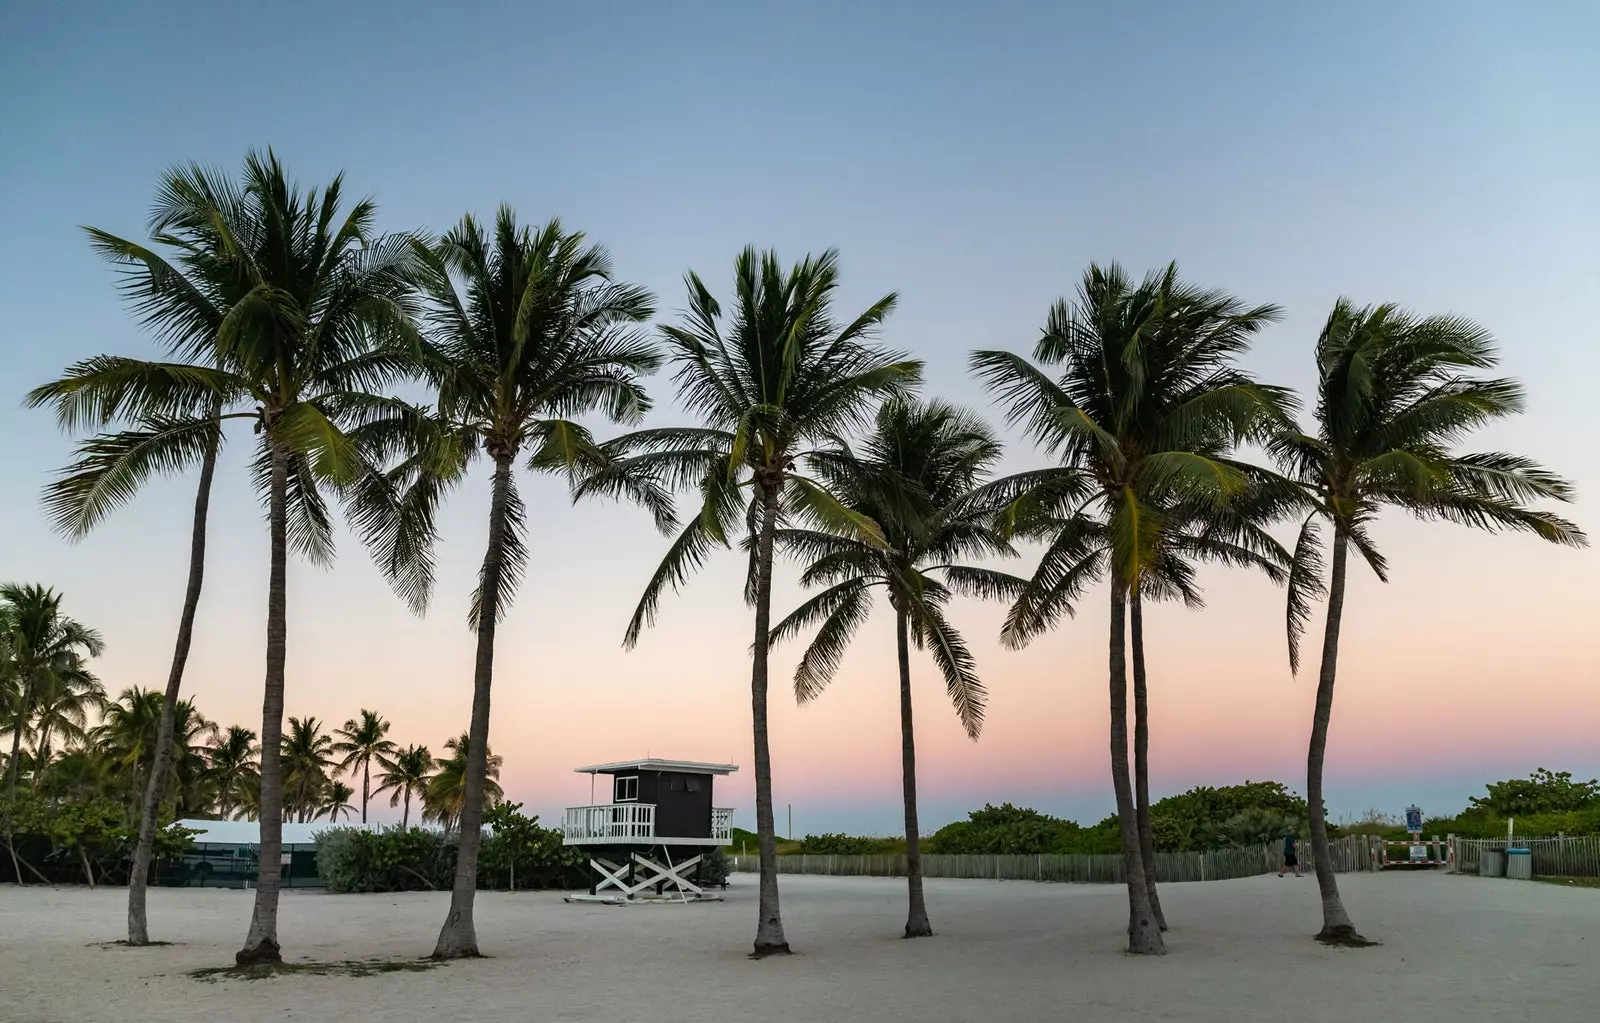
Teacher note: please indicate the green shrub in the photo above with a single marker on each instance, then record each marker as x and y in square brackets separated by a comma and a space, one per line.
[1016, 830]
[392, 860]
[521, 854]
[715, 867]
[849, 845]
[1541, 793]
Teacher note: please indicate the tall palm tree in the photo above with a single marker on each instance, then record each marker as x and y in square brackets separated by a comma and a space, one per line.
[45, 652]
[784, 377]
[184, 300]
[1395, 394]
[524, 330]
[129, 733]
[335, 801]
[61, 711]
[308, 763]
[317, 326]
[915, 478]
[1147, 405]
[361, 741]
[230, 764]
[445, 798]
[405, 774]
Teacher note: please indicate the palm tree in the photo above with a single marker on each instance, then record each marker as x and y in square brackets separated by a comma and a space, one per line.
[317, 325]
[405, 773]
[915, 479]
[1395, 393]
[230, 764]
[1148, 404]
[361, 741]
[129, 733]
[45, 652]
[445, 797]
[335, 801]
[185, 304]
[525, 329]
[308, 759]
[783, 378]
[61, 711]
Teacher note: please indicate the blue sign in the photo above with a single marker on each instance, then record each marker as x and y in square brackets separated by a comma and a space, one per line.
[1414, 819]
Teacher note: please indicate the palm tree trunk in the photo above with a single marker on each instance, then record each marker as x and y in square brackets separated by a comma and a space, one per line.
[917, 925]
[1144, 934]
[1141, 756]
[1336, 926]
[366, 787]
[261, 943]
[458, 938]
[405, 820]
[770, 939]
[138, 927]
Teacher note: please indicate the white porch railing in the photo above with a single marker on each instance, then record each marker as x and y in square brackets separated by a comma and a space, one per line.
[722, 824]
[610, 822]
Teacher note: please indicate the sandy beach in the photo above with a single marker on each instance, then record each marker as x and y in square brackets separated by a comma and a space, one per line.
[1455, 948]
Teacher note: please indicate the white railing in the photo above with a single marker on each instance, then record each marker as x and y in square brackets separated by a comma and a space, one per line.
[722, 824]
[612, 821]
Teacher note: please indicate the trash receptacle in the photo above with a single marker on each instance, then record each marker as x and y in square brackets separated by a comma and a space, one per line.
[1519, 864]
[1492, 863]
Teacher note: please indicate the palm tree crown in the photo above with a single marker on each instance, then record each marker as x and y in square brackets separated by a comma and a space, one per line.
[361, 741]
[405, 774]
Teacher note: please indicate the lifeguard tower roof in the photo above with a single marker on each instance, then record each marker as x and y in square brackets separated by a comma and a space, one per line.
[656, 764]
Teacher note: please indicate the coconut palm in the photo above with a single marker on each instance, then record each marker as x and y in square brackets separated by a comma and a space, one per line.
[230, 766]
[1147, 405]
[780, 378]
[61, 713]
[45, 652]
[1395, 394]
[361, 741]
[525, 329]
[405, 774]
[445, 796]
[308, 762]
[335, 801]
[914, 476]
[317, 325]
[184, 301]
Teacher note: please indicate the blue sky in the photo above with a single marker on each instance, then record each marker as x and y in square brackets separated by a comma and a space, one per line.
[972, 158]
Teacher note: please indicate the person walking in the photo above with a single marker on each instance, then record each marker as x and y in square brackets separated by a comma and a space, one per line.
[1291, 853]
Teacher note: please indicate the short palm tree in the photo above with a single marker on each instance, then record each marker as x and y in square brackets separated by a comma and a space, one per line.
[1147, 405]
[361, 741]
[184, 301]
[1395, 393]
[915, 477]
[335, 801]
[308, 764]
[318, 325]
[445, 797]
[525, 329]
[61, 713]
[780, 378]
[405, 774]
[45, 652]
[230, 766]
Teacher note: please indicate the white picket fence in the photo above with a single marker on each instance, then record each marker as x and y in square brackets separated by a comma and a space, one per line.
[1558, 856]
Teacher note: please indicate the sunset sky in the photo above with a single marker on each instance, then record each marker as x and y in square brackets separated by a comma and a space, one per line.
[974, 160]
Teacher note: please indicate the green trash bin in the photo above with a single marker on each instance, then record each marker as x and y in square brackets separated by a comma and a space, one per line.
[1519, 864]
[1492, 863]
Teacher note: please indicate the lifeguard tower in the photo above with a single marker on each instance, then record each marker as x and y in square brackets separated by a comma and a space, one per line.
[653, 834]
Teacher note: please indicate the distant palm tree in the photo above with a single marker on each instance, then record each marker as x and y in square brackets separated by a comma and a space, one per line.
[1148, 404]
[308, 761]
[230, 766]
[526, 329]
[446, 793]
[915, 477]
[61, 712]
[361, 741]
[1395, 393]
[130, 729]
[45, 651]
[781, 378]
[335, 801]
[405, 774]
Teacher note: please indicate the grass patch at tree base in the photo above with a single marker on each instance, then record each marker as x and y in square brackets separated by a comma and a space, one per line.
[344, 968]
[125, 943]
[1345, 938]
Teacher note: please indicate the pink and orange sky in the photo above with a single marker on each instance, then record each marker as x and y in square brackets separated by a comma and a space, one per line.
[973, 163]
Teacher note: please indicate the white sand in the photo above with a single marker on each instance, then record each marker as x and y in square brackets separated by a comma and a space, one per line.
[1456, 949]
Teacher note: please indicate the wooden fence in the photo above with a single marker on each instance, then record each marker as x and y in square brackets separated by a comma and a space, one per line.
[1349, 854]
[1559, 856]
